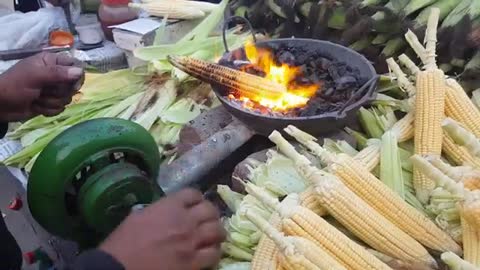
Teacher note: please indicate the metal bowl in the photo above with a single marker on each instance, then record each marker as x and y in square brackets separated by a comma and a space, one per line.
[319, 124]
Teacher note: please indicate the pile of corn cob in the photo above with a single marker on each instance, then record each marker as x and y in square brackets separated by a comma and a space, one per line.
[423, 209]
[376, 27]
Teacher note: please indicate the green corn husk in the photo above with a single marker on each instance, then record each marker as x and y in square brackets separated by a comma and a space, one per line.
[445, 6]
[367, 3]
[380, 39]
[470, 8]
[390, 164]
[415, 5]
[361, 44]
[454, 262]
[476, 98]
[473, 66]
[338, 19]
[360, 138]
[445, 67]
[369, 123]
[237, 252]
[393, 46]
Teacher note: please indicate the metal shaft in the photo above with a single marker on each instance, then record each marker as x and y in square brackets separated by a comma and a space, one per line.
[196, 163]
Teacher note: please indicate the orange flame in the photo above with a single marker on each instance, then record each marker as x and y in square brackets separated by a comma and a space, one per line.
[296, 95]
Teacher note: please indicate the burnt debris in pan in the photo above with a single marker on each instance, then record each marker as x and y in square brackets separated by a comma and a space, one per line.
[335, 82]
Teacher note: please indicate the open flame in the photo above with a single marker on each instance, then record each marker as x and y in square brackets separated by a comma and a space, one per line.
[297, 95]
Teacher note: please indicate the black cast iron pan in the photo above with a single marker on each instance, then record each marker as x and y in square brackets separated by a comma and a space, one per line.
[193, 165]
[318, 124]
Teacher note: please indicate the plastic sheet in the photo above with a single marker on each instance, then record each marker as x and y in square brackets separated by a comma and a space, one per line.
[28, 30]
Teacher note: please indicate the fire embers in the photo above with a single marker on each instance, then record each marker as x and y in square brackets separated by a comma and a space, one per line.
[314, 84]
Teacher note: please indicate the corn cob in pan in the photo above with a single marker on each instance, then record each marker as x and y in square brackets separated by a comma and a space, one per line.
[247, 84]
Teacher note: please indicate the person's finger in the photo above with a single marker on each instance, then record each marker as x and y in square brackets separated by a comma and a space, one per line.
[60, 90]
[46, 111]
[53, 103]
[59, 74]
[207, 257]
[210, 233]
[204, 212]
[188, 197]
[64, 60]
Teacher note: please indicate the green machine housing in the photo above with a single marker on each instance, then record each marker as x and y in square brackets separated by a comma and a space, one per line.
[86, 180]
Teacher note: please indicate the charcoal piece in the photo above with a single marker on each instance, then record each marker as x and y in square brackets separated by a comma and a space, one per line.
[327, 93]
[286, 57]
[346, 82]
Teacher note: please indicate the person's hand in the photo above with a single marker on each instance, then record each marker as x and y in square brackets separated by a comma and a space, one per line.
[39, 85]
[179, 232]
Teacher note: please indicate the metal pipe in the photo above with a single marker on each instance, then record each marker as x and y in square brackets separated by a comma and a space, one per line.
[196, 163]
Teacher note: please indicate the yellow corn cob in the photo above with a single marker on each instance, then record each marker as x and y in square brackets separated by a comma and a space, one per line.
[369, 156]
[170, 10]
[355, 214]
[429, 103]
[460, 107]
[203, 6]
[367, 224]
[470, 218]
[308, 199]
[248, 84]
[311, 257]
[462, 136]
[466, 175]
[377, 195]
[265, 256]
[404, 127]
[305, 223]
[300, 221]
[429, 113]
[472, 183]
[392, 206]
[295, 252]
[458, 154]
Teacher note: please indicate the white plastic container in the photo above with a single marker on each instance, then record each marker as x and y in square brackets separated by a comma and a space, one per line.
[89, 30]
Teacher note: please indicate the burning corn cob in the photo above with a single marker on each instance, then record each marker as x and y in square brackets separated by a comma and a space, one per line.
[300, 221]
[379, 196]
[429, 108]
[295, 252]
[247, 84]
[172, 10]
[265, 257]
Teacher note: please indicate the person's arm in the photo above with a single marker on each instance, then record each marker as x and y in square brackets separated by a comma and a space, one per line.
[95, 260]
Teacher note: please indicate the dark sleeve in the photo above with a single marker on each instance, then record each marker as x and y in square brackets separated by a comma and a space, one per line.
[95, 260]
[3, 129]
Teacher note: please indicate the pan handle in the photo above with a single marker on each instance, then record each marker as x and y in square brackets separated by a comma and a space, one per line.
[364, 90]
[225, 26]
